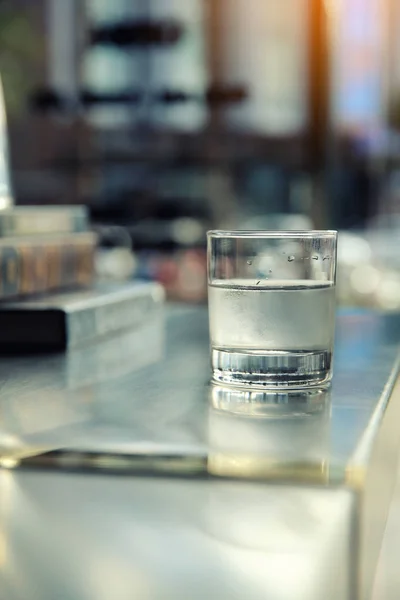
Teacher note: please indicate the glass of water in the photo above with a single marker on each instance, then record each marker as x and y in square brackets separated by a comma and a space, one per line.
[271, 297]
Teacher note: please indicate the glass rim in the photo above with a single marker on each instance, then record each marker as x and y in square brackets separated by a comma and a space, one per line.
[270, 233]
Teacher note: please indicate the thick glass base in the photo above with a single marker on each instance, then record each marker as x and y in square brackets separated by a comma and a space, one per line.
[271, 369]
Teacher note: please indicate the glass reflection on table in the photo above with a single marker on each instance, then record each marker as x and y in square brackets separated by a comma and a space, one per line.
[268, 434]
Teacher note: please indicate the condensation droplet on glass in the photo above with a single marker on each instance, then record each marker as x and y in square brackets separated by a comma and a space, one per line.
[270, 271]
[249, 262]
[315, 257]
[291, 258]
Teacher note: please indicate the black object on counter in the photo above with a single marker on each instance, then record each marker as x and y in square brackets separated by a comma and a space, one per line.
[63, 321]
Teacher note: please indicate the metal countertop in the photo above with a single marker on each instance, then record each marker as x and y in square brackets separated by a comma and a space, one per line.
[125, 475]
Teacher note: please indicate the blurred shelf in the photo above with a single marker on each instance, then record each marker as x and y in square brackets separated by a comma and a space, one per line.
[200, 149]
[137, 34]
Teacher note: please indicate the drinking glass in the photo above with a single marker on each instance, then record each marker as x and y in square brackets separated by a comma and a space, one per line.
[271, 297]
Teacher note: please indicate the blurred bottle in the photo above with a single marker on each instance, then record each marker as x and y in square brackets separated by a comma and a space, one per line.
[6, 195]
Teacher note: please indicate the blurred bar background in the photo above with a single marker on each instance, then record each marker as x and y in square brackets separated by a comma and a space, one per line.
[170, 117]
